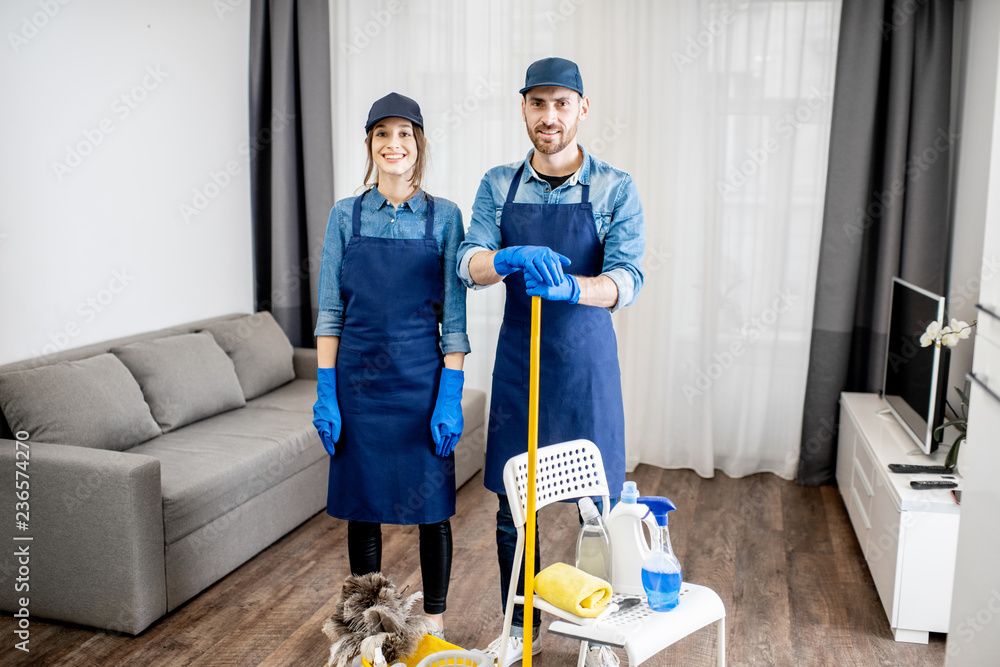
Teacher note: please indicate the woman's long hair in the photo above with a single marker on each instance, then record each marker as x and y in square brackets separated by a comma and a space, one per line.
[418, 167]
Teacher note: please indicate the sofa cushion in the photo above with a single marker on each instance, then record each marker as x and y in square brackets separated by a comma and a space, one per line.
[212, 467]
[92, 402]
[296, 396]
[184, 378]
[260, 351]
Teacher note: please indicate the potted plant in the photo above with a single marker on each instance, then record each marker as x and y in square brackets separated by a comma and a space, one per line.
[949, 336]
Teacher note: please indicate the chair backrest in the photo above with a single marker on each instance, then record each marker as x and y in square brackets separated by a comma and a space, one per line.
[568, 470]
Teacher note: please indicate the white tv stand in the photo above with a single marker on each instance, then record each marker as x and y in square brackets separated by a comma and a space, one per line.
[909, 538]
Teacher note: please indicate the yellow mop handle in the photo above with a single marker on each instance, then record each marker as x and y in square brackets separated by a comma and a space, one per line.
[529, 547]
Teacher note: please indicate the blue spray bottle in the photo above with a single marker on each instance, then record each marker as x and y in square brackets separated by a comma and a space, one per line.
[661, 571]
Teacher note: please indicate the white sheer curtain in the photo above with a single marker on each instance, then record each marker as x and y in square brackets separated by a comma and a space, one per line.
[719, 110]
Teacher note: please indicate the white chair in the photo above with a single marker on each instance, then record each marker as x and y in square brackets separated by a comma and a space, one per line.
[573, 470]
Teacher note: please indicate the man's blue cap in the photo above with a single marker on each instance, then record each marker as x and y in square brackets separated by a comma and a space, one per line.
[553, 72]
[394, 105]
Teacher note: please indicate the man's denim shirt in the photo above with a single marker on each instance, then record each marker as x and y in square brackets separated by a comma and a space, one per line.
[617, 216]
[380, 219]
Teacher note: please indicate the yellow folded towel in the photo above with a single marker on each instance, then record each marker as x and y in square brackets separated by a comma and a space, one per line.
[573, 590]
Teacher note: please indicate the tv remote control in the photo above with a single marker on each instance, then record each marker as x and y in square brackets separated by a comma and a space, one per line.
[905, 468]
[934, 484]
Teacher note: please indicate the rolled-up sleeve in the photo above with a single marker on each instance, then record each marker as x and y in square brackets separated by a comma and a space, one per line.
[625, 244]
[330, 320]
[453, 320]
[484, 232]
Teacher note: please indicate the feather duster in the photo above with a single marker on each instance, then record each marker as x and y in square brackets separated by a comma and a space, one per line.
[371, 617]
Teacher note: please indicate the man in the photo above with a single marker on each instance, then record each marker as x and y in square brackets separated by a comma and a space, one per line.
[568, 227]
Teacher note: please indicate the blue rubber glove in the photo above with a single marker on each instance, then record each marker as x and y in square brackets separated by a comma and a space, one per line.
[326, 411]
[447, 421]
[544, 264]
[569, 290]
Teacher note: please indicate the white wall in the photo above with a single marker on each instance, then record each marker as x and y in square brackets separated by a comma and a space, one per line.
[115, 112]
[976, 73]
[973, 637]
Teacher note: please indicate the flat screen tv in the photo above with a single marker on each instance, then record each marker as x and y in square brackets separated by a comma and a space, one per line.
[914, 385]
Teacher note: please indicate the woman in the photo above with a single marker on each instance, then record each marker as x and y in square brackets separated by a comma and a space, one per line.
[392, 311]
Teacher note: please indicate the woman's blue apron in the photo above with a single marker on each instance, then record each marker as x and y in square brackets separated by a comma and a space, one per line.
[580, 392]
[388, 368]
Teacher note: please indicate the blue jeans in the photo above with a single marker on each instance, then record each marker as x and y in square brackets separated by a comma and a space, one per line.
[506, 546]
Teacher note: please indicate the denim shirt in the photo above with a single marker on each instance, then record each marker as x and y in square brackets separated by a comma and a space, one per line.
[617, 209]
[380, 219]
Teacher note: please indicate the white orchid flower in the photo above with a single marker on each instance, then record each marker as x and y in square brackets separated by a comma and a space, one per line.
[960, 328]
[932, 335]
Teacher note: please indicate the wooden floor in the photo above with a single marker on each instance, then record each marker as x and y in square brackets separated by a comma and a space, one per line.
[782, 557]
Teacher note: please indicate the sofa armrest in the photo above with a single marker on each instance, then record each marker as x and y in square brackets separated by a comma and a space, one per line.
[304, 360]
[96, 522]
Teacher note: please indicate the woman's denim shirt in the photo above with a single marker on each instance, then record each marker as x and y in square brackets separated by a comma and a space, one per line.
[380, 219]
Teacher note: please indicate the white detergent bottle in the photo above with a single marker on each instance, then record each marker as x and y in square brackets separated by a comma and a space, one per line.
[593, 550]
[629, 547]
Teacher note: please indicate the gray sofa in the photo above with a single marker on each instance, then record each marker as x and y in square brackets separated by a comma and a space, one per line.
[157, 464]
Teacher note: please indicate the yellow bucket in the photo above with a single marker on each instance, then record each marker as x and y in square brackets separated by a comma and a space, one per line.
[429, 645]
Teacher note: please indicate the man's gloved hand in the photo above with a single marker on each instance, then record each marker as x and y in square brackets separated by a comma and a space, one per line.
[326, 411]
[447, 421]
[568, 290]
[544, 264]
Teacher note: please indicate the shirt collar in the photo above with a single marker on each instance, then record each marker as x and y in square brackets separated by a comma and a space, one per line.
[376, 200]
[581, 175]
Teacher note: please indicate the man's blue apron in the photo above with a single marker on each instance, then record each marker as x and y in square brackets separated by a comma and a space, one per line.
[388, 368]
[580, 392]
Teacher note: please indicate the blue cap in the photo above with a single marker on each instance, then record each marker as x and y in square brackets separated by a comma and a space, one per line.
[553, 72]
[394, 105]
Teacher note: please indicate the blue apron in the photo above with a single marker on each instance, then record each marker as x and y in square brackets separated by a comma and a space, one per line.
[580, 393]
[388, 368]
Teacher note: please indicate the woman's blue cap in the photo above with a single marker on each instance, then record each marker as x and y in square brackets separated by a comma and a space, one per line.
[553, 72]
[394, 105]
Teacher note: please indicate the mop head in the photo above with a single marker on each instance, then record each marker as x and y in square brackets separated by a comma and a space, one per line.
[373, 620]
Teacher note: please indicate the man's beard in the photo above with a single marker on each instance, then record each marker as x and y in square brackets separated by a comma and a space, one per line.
[549, 148]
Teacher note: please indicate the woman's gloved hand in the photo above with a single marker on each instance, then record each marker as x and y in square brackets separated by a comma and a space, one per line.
[569, 290]
[326, 410]
[544, 264]
[447, 421]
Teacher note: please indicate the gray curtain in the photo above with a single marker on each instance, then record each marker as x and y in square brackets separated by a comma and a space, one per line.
[291, 157]
[886, 210]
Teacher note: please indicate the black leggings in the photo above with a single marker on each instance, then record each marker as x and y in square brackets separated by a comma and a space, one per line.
[364, 548]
